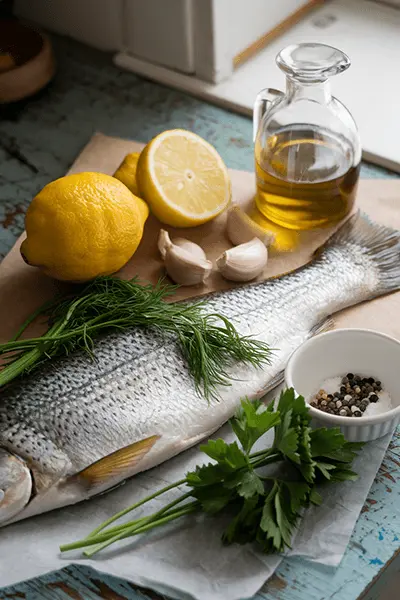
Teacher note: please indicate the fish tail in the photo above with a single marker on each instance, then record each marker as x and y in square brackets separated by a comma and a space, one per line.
[378, 244]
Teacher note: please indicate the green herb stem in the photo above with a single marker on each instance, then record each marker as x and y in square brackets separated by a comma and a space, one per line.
[137, 527]
[105, 535]
[134, 506]
[186, 510]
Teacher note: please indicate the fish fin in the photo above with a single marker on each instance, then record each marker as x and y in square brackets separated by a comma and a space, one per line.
[380, 243]
[279, 378]
[322, 326]
[116, 465]
[272, 384]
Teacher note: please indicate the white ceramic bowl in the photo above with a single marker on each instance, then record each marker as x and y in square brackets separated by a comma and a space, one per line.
[343, 351]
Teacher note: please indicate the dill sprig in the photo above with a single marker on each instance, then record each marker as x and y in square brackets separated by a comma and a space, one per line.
[209, 342]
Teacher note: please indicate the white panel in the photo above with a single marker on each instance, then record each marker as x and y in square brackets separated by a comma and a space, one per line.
[160, 31]
[223, 28]
[95, 22]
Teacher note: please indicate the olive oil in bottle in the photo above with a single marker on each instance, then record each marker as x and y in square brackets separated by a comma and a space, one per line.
[306, 177]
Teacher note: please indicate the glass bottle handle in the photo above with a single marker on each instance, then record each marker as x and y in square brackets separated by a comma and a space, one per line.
[263, 103]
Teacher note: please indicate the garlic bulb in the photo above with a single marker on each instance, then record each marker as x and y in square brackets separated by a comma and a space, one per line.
[164, 242]
[244, 262]
[185, 262]
[240, 228]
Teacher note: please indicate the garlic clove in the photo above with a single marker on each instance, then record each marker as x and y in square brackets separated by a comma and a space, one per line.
[184, 268]
[240, 228]
[164, 242]
[244, 262]
[193, 249]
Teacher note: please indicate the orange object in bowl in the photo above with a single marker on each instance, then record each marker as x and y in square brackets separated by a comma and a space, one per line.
[27, 61]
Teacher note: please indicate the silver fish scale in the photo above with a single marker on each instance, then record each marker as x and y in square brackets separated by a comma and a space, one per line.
[76, 410]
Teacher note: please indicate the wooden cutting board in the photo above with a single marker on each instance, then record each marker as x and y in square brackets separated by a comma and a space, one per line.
[24, 288]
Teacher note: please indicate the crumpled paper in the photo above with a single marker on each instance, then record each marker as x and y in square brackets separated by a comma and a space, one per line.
[184, 559]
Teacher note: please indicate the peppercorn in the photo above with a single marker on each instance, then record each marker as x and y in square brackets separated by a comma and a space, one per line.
[343, 412]
[350, 376]
[358, 414]
[332, 405]
[373, 398]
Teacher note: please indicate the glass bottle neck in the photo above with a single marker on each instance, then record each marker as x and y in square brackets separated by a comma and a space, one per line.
[317, 92]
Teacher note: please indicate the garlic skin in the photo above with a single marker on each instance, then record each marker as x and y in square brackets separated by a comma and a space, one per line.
[240, 228]
[165, 242]
[244, 262]
[185, 268]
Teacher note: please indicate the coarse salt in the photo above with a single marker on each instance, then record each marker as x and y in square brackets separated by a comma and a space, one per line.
[377, 408]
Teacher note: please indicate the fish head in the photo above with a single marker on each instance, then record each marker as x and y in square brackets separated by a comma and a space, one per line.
[15, 485]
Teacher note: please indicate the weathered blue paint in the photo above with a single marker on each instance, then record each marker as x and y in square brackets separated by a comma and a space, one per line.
[39, 139]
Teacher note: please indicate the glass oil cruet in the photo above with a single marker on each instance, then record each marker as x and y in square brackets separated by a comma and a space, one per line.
[307, 147]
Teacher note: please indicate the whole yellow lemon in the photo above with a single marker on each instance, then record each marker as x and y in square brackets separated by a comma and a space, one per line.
[82, 226]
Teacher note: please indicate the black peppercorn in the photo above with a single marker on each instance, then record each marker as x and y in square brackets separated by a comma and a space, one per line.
[350, 376]
[373, 398]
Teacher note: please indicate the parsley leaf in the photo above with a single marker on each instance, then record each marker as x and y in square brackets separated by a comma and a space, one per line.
[250, 485]
[228, 456]
[251, 422]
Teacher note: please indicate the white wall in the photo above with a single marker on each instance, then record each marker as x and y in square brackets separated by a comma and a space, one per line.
[94, 22]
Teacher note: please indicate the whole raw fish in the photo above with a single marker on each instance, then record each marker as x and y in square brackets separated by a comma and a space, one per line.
[78, 427]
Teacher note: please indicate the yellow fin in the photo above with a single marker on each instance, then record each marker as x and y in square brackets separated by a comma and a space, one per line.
[117, 464]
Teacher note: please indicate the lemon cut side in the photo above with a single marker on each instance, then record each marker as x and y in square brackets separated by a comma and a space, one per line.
[183, 179]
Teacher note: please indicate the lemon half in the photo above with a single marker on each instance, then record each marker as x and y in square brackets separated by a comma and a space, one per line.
[183, 179]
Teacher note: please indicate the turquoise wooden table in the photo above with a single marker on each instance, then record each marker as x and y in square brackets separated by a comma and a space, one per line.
[39, 140]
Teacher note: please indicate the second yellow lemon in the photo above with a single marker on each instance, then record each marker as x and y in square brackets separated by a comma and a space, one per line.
[82, 226]
[126, 171]
[183, 179]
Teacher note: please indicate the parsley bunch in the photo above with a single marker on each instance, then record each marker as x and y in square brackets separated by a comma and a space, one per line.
[264, 506]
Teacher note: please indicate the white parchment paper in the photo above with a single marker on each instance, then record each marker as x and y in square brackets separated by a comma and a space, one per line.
[185, 559]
